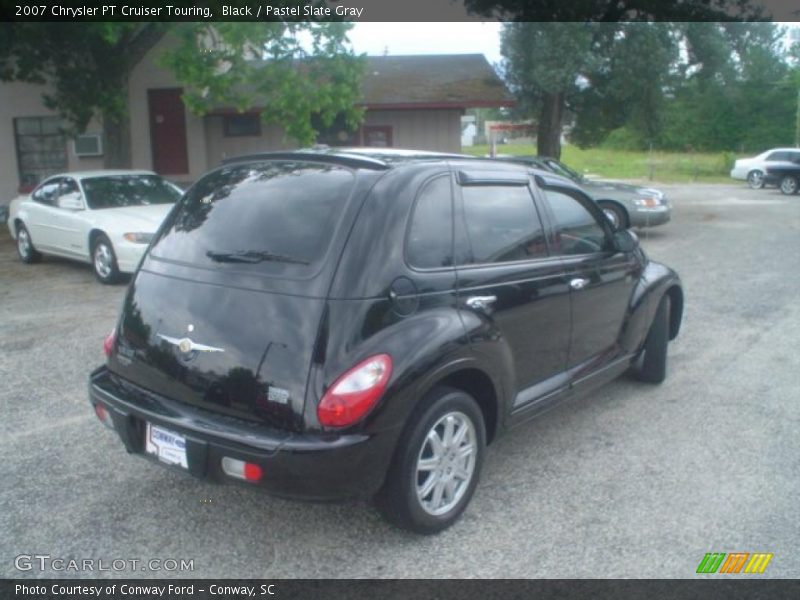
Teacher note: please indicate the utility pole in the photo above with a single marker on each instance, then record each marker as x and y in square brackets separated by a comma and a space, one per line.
[797, 122]
[794, 39]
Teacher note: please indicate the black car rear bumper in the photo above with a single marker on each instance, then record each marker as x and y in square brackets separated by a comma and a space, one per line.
[303, 466]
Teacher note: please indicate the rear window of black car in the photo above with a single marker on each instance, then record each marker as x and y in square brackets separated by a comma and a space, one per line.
[270, 215]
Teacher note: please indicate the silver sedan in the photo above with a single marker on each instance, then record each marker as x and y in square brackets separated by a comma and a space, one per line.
[624, 204]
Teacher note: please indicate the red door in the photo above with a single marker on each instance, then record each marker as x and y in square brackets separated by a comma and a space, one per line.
[168, 131]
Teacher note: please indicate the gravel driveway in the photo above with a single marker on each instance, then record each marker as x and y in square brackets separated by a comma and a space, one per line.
[634, 481]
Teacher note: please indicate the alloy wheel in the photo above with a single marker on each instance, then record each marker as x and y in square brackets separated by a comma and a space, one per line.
[789, 185]
[103, 260]
[755, 179]
[24, 243]
[446, 463]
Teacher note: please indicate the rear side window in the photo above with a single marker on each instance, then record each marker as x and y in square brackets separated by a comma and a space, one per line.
[430, 238]
[69, 186]
[501, 225]
[269, 216]
[577, 230]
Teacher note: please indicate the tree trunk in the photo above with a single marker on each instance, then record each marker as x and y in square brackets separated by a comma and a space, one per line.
[117, 123]
[548, 139]
[117, 135]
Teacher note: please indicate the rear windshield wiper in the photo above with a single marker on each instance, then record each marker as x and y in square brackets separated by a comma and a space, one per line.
[252, 257]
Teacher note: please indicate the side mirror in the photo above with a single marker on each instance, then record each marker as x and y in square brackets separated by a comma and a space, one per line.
[626, 240]
[71, 201]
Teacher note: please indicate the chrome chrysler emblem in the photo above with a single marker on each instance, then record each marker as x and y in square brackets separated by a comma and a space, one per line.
[187, 346]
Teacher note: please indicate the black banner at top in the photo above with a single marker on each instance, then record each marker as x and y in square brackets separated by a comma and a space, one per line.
[398, 10]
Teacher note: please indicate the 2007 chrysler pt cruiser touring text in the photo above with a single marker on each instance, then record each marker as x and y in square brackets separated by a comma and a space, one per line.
[325, 324]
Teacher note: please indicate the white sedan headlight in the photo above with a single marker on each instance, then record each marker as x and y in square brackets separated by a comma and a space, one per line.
[647, 202]
[138, 237]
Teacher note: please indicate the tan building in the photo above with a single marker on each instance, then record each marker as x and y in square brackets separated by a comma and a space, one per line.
[410, 101]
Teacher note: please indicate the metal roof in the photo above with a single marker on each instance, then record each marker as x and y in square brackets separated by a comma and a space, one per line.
[428, 81]
[433, 81]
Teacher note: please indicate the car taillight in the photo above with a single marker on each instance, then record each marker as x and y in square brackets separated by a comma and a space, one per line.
[355, 392]
[108, 343]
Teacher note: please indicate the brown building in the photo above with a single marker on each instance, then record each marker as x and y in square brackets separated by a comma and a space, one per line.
[410, 101]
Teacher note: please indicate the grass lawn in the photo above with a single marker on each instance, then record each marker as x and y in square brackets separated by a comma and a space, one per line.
[669, 167]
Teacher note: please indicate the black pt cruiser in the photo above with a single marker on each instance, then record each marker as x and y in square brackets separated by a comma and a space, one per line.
[330, 324]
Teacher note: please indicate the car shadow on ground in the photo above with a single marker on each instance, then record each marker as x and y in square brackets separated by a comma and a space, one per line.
[64, 266]
[650, 234]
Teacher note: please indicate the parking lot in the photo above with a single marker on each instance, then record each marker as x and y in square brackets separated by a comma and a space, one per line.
[634, 481]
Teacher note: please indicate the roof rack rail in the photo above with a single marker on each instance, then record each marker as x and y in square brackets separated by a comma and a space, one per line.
[337, 158]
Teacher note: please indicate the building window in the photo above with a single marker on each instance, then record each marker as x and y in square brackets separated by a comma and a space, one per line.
[41, 148]
[377, 136]
[242, 125]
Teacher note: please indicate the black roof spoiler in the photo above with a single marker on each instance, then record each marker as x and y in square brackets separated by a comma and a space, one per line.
[335, 158]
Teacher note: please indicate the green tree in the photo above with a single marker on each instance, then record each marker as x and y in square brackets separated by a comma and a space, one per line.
[607, 11]
[599, 75]
[543, 65]
[631, 85]
[577, 45]
[682, 86]
[734, 92]
[305, 72]
[87, 66]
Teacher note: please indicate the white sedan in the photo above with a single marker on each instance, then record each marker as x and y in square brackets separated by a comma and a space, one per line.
[753, 169]
[105, 218]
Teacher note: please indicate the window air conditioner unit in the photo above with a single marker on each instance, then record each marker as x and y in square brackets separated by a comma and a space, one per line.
[89, 145]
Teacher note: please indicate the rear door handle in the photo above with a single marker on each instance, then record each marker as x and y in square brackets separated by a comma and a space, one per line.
[578, 283]
[481, 302]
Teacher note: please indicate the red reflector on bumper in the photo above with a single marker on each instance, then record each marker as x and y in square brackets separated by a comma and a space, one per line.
[103, 415]
[252, 472]
[108, 343]
[241, 469]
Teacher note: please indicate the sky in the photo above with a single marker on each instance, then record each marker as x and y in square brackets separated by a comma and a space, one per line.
[428, 38]
[434, 38]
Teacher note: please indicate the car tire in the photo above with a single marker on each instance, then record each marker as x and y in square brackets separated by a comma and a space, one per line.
[616, 214]
[104, 260]
[25, 249]
[755, 179]
[789, 185]
[429, 482]
[652, 364]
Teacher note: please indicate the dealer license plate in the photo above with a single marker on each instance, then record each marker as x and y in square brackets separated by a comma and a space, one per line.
[166, 445]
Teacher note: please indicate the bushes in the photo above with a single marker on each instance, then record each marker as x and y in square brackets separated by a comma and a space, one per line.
[625, 138]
